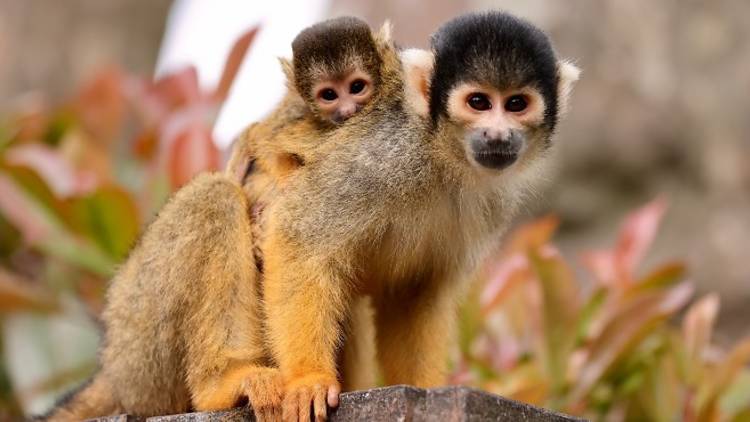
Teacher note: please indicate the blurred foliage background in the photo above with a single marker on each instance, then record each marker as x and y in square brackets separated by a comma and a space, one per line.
[90, 147]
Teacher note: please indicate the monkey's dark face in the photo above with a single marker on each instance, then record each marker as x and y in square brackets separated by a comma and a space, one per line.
[497, 125]
[495, 78]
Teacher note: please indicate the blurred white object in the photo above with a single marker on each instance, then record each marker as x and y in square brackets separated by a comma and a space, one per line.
[201, 33]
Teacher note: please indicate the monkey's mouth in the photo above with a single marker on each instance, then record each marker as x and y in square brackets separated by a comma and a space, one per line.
[496, 158]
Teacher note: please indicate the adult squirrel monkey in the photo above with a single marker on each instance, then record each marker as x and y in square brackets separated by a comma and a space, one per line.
[401, 205]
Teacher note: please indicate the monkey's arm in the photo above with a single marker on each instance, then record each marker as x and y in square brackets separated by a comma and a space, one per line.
[306, 304]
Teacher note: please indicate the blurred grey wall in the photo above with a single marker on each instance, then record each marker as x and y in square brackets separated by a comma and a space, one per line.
[50, 46]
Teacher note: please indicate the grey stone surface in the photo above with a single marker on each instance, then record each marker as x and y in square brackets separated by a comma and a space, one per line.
[397, 403]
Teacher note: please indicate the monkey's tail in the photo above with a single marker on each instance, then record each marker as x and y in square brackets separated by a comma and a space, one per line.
[93, 399]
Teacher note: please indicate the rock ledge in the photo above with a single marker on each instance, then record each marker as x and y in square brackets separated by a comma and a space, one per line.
[397, 403]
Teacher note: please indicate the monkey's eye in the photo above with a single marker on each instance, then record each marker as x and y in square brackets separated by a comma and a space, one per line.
[357, 86]
[516, 103]
[328, 94]
[479, 102]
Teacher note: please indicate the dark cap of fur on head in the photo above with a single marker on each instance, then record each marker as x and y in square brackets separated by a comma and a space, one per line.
[332, 48]
[496, 49]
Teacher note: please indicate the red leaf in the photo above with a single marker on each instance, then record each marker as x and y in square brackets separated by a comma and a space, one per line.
[697, 325]
[636, 235]
[100, 104]
[506, 274]
[146, 144]
[192, 152]
[234, 60]
[532, 235]
[178, 89]
[602, 265]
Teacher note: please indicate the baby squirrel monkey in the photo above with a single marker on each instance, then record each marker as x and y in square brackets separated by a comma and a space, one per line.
[403, 205]
[336, 79]
[334, 74]
[184, 322]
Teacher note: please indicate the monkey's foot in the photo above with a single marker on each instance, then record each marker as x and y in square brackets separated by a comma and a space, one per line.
[264, 390]
[317, 390]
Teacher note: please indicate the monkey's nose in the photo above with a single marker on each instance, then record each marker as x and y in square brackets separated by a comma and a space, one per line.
[347, 110]
[494, 136]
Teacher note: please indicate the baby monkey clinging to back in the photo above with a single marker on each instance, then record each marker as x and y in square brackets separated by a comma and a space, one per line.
[336, 67]
[335, 72]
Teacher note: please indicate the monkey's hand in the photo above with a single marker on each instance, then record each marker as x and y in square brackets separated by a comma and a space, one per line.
[316, 389]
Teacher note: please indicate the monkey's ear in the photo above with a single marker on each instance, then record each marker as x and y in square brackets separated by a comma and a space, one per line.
[385, 33]
[418, 65]
[568, 74]
[288, 69]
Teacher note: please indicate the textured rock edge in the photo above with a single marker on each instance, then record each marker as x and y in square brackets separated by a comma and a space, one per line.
[397, 403]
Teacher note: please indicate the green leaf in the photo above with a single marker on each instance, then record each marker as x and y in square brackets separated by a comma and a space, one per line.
[665, 276]
[723, 377]
[58, 127]
[626, 329]
[589, 310]
[10, 407]
[10, 238]
[33, 185]
[736, 399]
[44, 230]
[469, 323]
[109, 216]
[560, 308]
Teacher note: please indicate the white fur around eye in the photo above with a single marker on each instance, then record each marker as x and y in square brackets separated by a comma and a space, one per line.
[457, 106]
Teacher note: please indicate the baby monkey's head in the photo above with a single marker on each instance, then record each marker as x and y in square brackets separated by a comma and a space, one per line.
[336, 67]
[498, 82]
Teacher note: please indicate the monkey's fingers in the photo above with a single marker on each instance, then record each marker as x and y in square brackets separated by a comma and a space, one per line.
[333, 395]
[296, 405]
[319, 402]
[309, 395]
[272, 414]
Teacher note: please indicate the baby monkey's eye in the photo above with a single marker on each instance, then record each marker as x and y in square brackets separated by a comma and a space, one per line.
[516, 103]
[479, 102]
[357, 86]
[328, 94]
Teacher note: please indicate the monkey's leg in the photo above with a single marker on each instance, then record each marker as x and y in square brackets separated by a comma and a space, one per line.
[357, 361]
[413, 330]
[225, 357]
[306, 305]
